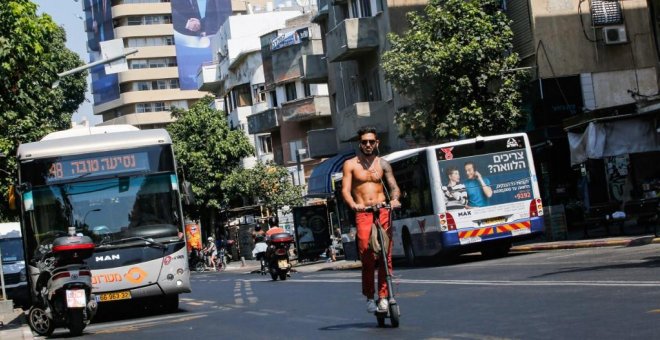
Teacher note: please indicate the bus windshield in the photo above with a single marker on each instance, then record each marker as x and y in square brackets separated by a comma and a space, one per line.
[107, 210]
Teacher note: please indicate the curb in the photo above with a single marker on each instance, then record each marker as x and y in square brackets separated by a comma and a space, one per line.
[631, 242]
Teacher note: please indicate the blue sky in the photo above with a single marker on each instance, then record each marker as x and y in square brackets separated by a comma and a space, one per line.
[66, 13]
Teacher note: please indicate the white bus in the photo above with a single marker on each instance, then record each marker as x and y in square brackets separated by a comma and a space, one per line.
[118, 185]
[466, 212]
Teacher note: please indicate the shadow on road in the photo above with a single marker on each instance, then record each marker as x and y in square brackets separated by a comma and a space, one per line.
[649, 262]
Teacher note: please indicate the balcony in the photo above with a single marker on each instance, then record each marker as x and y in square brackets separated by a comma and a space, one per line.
[350, 119]
[314, 68]
[352, 38]
[306, 109]
[322, 143]
[262, 122]
[208, 77]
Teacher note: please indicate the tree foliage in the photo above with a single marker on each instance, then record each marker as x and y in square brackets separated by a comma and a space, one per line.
[454, 65]
[266, 184]
[32, 53]
[207, 151]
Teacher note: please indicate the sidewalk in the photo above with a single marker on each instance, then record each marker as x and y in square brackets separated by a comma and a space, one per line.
[13, 326]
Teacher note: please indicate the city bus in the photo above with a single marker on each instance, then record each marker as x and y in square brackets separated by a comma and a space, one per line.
[468, 212]
[118, 185]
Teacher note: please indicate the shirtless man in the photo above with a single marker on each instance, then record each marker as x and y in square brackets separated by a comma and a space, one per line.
[362, 186]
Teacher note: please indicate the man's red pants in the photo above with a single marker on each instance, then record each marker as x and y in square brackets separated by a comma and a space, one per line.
[364, 220]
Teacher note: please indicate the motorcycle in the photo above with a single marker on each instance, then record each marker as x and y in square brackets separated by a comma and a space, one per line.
[196, 260]
[64, 287]
[277, 255]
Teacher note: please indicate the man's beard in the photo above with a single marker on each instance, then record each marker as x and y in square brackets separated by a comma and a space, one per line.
[370, 153]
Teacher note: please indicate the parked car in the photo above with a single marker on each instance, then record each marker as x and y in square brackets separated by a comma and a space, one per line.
[13, 263]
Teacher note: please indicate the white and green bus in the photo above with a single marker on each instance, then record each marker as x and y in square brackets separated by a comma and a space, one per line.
[117, 185]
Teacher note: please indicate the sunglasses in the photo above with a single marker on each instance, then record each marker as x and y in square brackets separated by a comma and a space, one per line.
[368, 142]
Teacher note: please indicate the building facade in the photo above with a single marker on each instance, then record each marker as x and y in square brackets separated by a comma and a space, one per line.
[161, 75]
[595, 97]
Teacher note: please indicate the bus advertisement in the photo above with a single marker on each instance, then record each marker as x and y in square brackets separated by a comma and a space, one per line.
[477, 194]
[117, 185]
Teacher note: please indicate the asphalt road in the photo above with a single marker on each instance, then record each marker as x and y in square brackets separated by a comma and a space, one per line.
[593, 293]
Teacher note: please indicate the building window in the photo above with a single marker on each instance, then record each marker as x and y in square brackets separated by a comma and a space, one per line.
[360, 8]
[244, 95]
[159, 106]
[273, 98]
[259, 93]
[143, 86]
[308, 89]
[290, 89]
[264, 144]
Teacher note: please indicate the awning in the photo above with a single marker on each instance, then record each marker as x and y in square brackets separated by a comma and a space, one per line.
[319, 183]
[613, 138]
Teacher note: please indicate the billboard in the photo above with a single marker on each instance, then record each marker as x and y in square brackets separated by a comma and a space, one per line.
[312, 231]
[497, 174]
[195, 22]
[98, 25]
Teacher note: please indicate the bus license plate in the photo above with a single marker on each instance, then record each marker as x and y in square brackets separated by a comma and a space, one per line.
[491, 221]
[520, 232]
[125, 295]
[75, 298]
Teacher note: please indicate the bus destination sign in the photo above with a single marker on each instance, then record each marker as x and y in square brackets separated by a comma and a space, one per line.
[101, 165]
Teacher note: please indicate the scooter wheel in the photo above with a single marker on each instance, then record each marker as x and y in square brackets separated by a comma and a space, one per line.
[76, 321]
[380, 317]
[40, 322]
[394, 315]
[199, 267]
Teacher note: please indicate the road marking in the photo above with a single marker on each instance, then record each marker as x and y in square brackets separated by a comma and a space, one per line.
[654, 311]
[133, 325]
[243, 291]
[503, 283]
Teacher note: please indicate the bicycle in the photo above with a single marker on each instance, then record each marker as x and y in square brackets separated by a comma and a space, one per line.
[393, 313]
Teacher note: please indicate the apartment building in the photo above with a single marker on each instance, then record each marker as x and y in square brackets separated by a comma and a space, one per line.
[237, 74]
[295, 78]
[162, 74]
[595, 99]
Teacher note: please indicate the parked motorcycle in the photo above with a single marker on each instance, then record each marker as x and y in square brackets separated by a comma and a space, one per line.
[64, 287]
[196, 260]
[277, 255]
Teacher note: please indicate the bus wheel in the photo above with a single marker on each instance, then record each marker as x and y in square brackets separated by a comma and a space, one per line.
[408, 250]
[171, 303]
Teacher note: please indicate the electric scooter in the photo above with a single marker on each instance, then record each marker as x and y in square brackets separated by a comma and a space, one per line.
[393, 311]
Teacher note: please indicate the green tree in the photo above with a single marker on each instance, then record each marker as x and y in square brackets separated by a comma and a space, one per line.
[32, 53]
[207, 150]
[266, 184]
[454, 65]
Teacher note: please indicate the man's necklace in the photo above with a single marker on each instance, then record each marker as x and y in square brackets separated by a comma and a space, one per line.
[368, 166]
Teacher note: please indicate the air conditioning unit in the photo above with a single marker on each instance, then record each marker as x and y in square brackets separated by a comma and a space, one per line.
[615, 35]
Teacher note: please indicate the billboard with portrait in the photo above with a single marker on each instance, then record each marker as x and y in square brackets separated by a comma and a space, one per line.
[195, 22]
[312, 231]
[497, 172]
[98, 25]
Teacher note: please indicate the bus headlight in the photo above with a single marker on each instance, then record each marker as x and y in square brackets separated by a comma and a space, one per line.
[23, 275]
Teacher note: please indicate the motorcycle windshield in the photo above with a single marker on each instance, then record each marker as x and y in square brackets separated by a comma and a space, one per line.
[114, 212]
